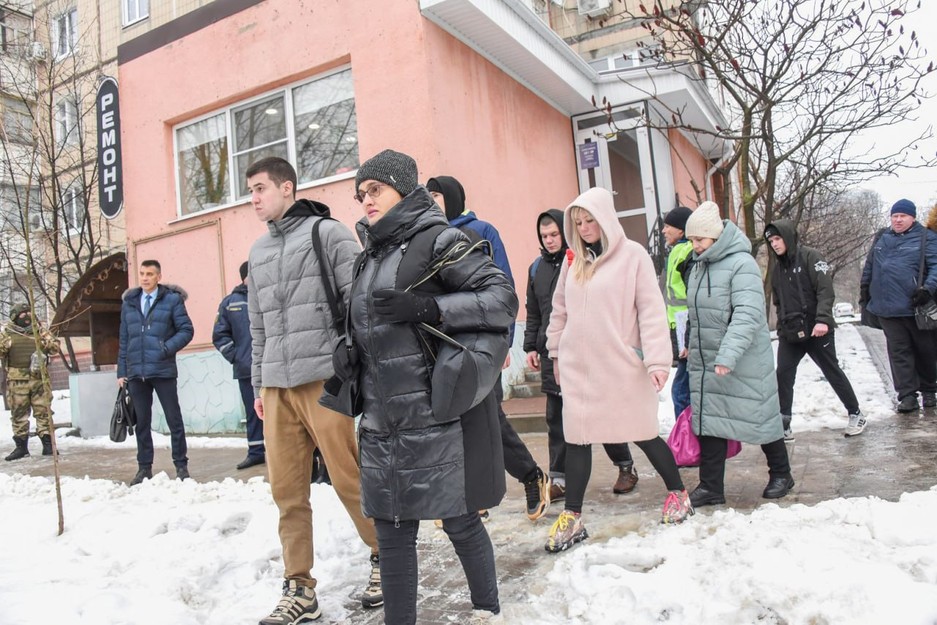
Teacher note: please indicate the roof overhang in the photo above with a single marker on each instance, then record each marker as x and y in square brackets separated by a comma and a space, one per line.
[512, 37]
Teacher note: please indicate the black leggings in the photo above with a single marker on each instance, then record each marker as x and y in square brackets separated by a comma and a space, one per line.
[579, 469]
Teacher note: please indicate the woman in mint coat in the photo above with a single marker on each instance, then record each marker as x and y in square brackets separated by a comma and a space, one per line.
[733, 386]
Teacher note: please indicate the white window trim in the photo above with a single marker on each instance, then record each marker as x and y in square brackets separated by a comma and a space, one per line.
[76, 197]
[242, 200]
[71, 128]
[70, 31]
[125, 10]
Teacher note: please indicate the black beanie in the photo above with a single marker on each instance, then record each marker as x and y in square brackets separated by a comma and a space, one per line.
[243, 271]
[677, 217]
[395, 169]
[772, 231]
[452, 192]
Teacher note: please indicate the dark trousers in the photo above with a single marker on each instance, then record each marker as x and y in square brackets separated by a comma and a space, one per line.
[517, 459]
[141, 394]
[618, 453]
[255, 427]
[822, 350]
[912, 354]
[579, 469]
[712, 468]
[399, 569]
[680, 388]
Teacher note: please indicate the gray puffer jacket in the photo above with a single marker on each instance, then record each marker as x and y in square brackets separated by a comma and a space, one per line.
[728, 327]
[292, 329]
[416, 464]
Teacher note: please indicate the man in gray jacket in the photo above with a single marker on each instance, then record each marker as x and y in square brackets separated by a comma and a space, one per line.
[293, 335]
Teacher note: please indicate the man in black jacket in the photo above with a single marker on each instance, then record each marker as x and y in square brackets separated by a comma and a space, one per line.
[803, 295]
[232, 337]
[541, 283]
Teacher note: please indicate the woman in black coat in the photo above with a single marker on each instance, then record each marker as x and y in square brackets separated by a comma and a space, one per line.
[429, 437]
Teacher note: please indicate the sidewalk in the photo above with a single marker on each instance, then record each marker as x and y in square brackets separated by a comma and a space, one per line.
[893, 456]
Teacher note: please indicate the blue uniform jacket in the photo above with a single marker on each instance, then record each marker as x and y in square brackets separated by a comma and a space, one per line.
[891, 271]
[232, 332]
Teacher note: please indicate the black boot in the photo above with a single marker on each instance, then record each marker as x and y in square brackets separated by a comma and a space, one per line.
[46, 444]
[144, 473]
[778, 486]
[21, 451]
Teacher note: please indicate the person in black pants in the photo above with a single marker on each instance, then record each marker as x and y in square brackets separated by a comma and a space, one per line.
[449, 194]
[803, 296]
[232, 338]
[900, 273]
[542, 279]
[154, 326]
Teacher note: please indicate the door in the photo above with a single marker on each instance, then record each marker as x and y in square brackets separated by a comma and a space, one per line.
[616, 155]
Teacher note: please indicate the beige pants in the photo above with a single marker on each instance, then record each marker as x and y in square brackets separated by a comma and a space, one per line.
[294, 425]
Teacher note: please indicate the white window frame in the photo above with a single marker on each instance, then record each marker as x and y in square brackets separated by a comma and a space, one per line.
[67, 21]
[66, 122]
[134, 11]
[236, 187]
[73, 200]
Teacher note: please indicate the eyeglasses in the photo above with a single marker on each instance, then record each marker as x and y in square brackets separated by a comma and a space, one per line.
[374, 190]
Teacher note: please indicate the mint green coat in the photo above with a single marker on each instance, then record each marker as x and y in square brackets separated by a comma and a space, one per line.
[728, 327]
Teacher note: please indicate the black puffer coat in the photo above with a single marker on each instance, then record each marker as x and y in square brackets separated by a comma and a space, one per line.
[414, 466]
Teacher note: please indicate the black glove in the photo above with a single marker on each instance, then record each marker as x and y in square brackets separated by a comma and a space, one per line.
[920, 296]
[345, 360]
[405, 307]
[864, 296]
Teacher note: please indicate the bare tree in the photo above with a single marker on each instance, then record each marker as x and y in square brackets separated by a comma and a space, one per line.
[49, 226]
[802, 81]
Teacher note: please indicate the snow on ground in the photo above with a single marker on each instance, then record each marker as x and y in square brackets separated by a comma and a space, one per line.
[187, 553]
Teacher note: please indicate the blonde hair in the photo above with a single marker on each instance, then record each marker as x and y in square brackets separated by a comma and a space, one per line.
[583, 263]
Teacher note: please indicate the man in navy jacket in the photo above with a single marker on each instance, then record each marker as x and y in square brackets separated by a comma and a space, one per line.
[232, 337]
[154, 325]
[890, 288]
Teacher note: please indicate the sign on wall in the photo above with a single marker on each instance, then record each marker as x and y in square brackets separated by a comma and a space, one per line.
[110, 176]
[588, 155]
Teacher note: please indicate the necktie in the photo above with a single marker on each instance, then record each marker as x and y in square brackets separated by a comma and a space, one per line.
[146, 305]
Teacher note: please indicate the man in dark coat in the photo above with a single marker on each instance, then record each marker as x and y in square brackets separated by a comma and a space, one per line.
[891, 289]
[154, 326]
[803, 296]
[518, 461]
[543, 275]
[232, 337]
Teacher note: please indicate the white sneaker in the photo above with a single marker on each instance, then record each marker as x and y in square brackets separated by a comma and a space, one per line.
[856, 425]
[485, 617]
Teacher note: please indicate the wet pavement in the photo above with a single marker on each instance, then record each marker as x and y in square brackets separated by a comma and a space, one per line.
[893, 456]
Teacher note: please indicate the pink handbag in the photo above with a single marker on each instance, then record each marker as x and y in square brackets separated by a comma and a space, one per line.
[684, 444]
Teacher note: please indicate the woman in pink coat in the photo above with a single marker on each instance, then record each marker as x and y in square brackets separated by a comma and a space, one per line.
[610, 342]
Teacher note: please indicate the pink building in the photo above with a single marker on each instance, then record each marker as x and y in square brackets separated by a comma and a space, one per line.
[479, 89]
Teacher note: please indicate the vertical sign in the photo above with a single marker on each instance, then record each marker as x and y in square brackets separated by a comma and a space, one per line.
[110, 176]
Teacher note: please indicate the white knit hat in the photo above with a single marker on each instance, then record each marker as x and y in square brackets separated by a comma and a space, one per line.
[705, 222]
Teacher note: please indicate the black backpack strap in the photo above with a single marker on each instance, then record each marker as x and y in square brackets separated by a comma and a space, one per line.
[336, 306]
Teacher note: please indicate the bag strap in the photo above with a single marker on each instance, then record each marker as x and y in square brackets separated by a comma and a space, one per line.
[920, 270]
[338, 314]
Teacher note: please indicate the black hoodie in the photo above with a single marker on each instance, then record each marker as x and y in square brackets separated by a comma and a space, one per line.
[542, 278]
[801, 280]
[452, 192]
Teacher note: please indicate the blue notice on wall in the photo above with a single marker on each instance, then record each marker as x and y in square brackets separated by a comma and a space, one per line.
[588, 155]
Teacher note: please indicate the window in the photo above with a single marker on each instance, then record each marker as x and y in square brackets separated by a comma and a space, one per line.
[17, 121]
[13, 202]
[65, 33]
[14, 32]
[66, 122]
[312, 125]
[73, 208]
[135, 10]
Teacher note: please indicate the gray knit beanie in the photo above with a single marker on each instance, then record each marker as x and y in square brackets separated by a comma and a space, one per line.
[392, 168]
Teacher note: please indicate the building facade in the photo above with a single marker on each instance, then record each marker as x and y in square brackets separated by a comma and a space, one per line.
[482, 90]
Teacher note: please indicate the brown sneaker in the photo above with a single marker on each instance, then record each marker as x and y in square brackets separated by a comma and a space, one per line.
[557, 491]
[627, 480]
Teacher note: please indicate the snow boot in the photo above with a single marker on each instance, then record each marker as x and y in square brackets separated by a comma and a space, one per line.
[20, 451]
[144, 473]
[46, 444]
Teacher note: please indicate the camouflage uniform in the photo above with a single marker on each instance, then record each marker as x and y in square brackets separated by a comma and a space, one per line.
[25, 387]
